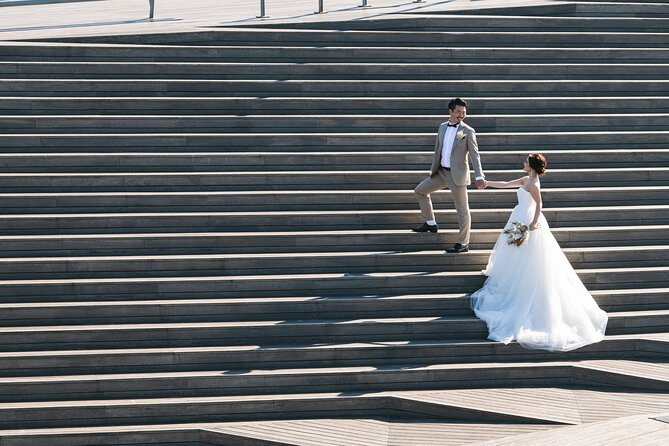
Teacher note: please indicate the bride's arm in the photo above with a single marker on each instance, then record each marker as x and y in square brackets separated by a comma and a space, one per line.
[502, 184]
[536, 194]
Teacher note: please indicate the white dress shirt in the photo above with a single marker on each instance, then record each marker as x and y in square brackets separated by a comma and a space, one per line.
[447, 145]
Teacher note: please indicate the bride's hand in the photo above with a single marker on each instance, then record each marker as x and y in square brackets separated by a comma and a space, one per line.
[534, 226]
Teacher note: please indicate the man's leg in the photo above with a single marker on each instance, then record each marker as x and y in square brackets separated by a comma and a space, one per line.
[461, 201]
[423, 191]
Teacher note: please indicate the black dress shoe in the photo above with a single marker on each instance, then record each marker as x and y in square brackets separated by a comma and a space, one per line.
[426, 228]
[458, 247]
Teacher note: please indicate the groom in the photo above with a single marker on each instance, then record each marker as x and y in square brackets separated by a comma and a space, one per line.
[456, 141]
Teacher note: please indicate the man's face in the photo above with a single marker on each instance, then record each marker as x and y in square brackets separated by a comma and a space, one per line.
[458, 114]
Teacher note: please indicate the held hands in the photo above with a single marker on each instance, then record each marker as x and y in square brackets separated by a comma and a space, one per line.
[481, 184]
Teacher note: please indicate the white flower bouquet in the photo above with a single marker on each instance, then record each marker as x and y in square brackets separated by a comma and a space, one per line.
[517, 233]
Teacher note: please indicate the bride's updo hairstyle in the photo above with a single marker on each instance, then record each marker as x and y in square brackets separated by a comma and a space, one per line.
[538, 163]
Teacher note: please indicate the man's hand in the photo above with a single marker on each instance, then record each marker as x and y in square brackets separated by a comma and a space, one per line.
[480, 184]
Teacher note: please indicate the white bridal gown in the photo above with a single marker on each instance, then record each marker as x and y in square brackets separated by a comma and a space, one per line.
[532, 294]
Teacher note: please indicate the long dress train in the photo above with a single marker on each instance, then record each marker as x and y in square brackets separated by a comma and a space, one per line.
[532, 293]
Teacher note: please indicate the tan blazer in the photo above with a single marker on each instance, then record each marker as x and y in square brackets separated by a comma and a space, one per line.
[464, 147]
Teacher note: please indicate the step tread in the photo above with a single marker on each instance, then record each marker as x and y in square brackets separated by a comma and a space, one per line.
[286, 323]
[639, 368]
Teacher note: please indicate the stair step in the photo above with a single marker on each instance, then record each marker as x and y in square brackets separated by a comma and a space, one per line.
[337, 379]
[295, 285]
[68, 52]
[53, 224]
[306, 241]
[84, 413]
[37, 105]
[325, 123]
[315, 142]
[86, 162]
[258, 309]
[276, 356]
[353, 68]
[353, 262]
[327, 200]
[451, 22]
[358, 87]
[301, 180]
[325, 38]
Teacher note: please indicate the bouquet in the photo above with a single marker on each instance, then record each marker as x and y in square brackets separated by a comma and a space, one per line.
[516, 234]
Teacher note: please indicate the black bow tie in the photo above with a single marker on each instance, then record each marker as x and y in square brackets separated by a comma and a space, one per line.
[451, 125]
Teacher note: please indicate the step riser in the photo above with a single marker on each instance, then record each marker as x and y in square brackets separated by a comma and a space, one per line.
[213, 412]
[305, 333]
[311, 54]
[356, 200]
[283, 106]
[211, 359]
[315, 142]
[264, 265]
[283, 384]
[446, 23]
[243, 243]
[339, 124]
[241, 222]
[348, 69]
[331, 285]
[306, 309]
[288, 38]
[291, 181]
[295, 161]
[259, 88]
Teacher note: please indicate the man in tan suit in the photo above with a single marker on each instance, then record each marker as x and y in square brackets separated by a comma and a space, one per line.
[456, 144]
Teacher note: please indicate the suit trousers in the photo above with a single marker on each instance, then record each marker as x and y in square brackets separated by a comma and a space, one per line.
[438, 181]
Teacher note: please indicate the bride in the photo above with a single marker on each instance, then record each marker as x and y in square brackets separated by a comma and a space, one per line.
[532, 294]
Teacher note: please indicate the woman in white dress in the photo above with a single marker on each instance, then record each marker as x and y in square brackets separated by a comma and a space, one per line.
[532, 294]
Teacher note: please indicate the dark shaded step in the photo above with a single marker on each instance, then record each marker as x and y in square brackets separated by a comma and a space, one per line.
[281, 332]
[305, 241]
[336, 379]
[295, 161]
[325, 200]
[331, 88]
[56, 224]
[426, 22]
[246, 36]
[64, 52]
[283, 308]
[353, 68]
[302, 180]
[11, 105]
[296, 285]
[320, 142]
[306, 263]
[324, 123]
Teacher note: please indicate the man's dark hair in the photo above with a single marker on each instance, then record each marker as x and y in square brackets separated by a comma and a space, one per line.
[455, 102]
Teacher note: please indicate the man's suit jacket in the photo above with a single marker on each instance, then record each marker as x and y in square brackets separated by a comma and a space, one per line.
[465, 146]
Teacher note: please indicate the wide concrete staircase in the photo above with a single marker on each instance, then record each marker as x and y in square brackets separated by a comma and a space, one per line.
[205, 236]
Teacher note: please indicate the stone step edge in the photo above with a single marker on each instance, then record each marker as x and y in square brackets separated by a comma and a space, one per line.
[445, 274]
[379, 402]
[296, 323]
[311, 255]
[379, 232]
[306, 213]
[291, 299]
[596, 371]
[641, 346]
[594, 365]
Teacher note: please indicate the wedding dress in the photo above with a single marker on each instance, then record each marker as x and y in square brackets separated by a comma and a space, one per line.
[532, 293]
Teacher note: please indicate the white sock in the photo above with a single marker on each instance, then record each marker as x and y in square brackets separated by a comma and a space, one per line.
[431, 222]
